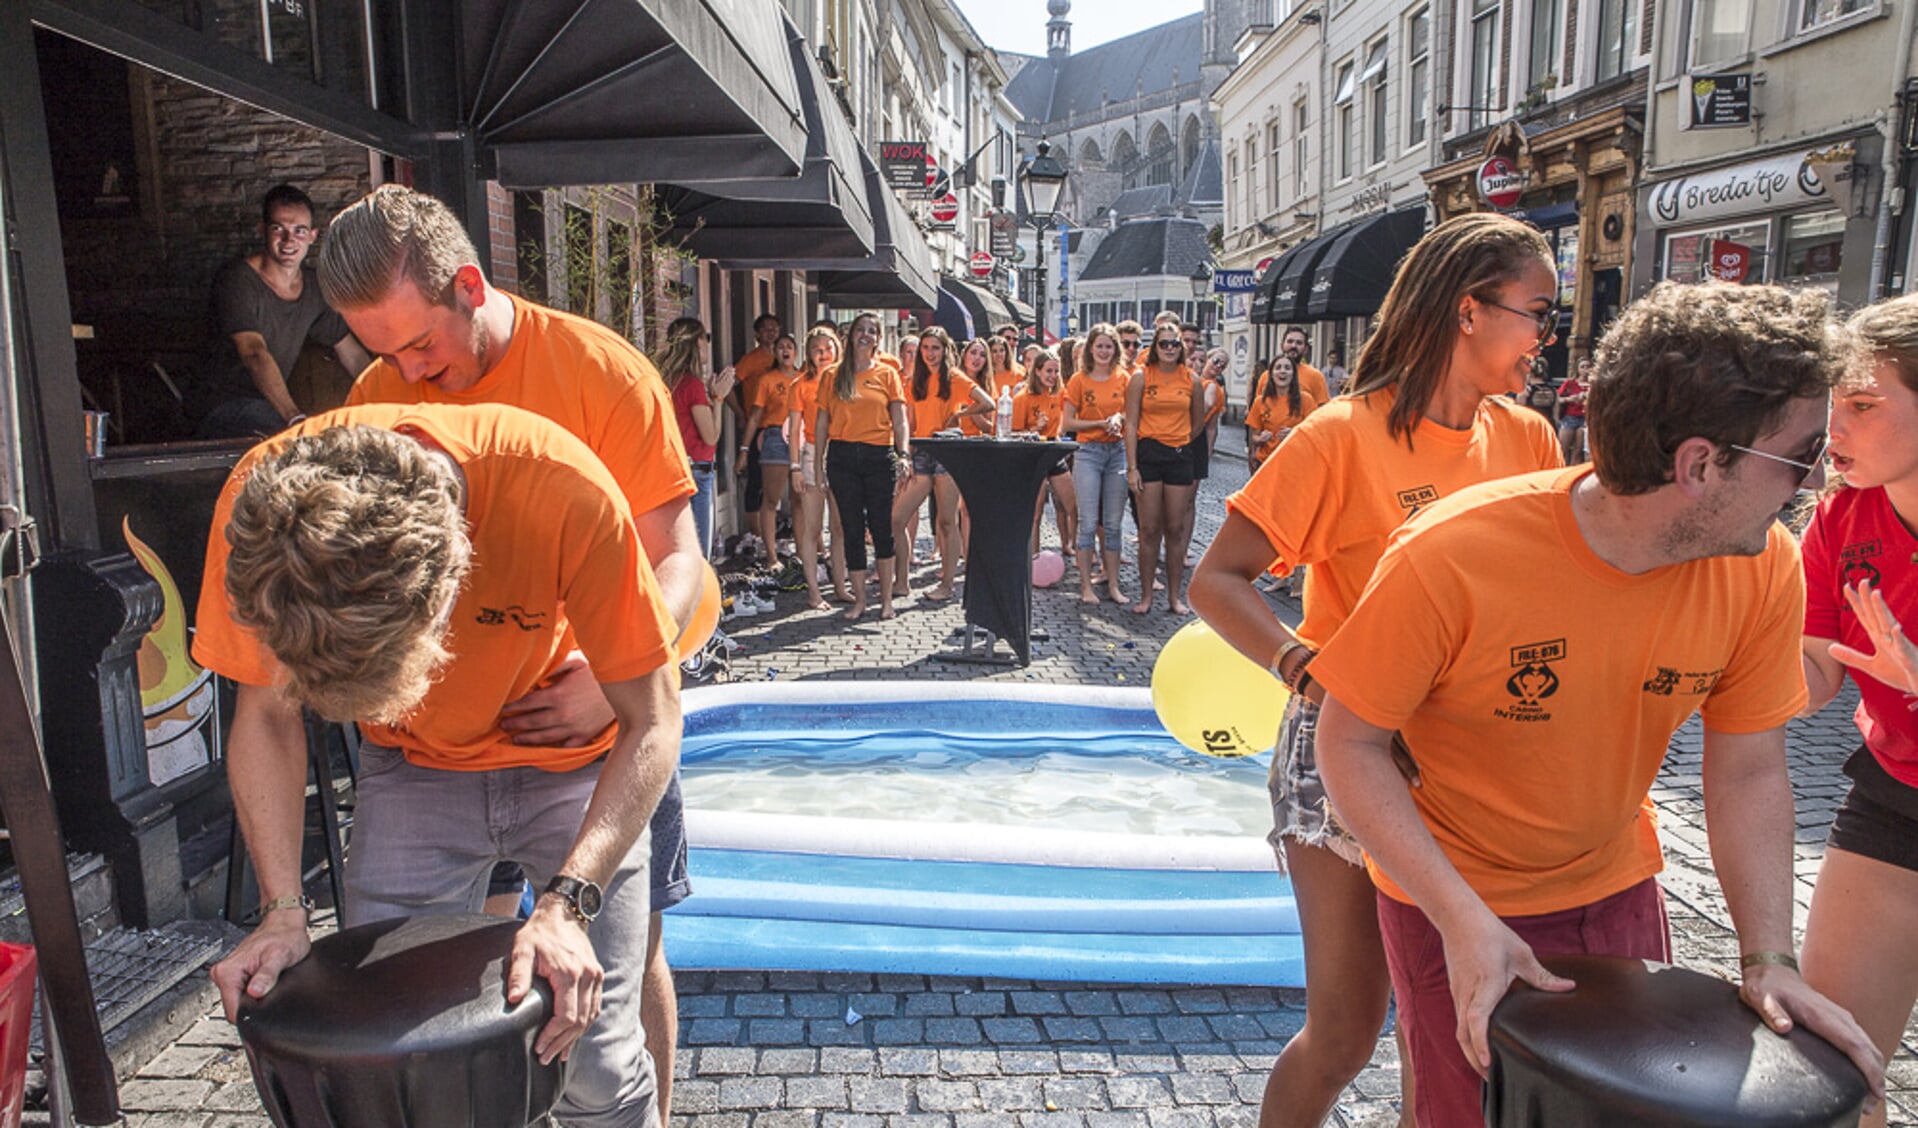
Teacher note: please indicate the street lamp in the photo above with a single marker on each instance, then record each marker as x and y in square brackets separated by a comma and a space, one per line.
[1201, 289]
[1042, 179]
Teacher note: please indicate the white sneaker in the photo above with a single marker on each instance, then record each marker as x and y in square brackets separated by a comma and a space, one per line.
[745, 605]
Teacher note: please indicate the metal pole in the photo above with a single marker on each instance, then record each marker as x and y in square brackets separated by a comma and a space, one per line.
[1039, 299]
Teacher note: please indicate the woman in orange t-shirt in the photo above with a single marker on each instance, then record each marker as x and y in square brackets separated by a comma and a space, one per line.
[1039, 408]
[1164, 412]
[1283, 403]
[812, 501]
[1212, 379]
[766, 429]
[934, 394]
[1095, 416]
[1426, 415]
[867, 453]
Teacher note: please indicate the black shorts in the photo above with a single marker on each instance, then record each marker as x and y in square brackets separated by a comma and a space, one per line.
[1879, 817]
[1064, 467]
[1201, 449]
[1170, 465]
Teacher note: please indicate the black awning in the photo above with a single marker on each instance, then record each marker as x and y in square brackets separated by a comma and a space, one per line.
[988, 310]
[631, 91]
[1292, 279]
[820, 216]
[900, 274]
[1024, 313]
[1352, 277]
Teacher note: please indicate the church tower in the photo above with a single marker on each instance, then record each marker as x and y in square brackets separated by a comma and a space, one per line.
[1058, 30]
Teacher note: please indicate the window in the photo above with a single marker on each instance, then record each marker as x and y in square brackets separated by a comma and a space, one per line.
[1820, 12]
[1813, 249]
[1299, 149]
[1719, 30]
[1343, 111]
[1251, 178]
[1483, 93]
[1688, 254]
[1542, 59]
[1274, 144]
[1232, 186]
[1375, 103]
[1618, 36]
[1418, 49]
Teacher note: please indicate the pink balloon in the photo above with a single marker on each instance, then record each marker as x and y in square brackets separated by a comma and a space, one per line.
[1048, 568]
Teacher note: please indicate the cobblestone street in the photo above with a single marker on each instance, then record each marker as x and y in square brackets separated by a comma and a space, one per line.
[807, 1050]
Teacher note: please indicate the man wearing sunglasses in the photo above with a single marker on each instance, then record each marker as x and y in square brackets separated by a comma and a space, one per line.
[265, 308]
[1538, 728]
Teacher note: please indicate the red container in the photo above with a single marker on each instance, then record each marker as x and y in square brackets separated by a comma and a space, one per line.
[17, 965]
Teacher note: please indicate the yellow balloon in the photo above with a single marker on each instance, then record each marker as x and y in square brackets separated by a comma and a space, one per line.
[1213, 699]
[699, 629]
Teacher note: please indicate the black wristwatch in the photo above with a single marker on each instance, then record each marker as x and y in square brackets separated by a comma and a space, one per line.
[583, 897]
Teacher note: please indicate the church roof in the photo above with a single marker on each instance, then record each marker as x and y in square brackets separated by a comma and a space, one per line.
[1170, 246]
[1141, 201]
[1046, 91]
[1204, 186]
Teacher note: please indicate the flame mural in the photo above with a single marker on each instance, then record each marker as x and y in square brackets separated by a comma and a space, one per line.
[176, 696]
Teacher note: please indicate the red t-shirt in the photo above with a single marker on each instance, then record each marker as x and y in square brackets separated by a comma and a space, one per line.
[1574, 387]
[1856, 535]
[687, 394]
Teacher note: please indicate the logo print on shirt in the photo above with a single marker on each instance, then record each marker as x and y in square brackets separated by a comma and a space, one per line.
[519, 616]
[1855, 562]
[1417, 498]
[1670, 680]
[1532, 681]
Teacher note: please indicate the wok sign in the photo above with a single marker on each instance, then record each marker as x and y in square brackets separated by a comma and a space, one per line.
[903, 164]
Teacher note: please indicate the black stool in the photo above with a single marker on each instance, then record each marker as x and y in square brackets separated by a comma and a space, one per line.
[1648, 1044]
[403, 1023]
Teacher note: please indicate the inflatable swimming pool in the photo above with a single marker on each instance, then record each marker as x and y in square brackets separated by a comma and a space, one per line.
[936, 828]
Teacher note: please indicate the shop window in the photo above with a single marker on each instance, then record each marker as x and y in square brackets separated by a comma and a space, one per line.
[1689, 255]
[1565, 251]
[1720, 30]
[1617, 36]
[1417, 74]
[1818, 13]
[1344, 111]
[1482, 97]
[1813, 249]
[1373, 80]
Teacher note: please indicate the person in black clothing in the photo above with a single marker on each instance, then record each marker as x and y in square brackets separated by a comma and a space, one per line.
[265, 308]
[1539, 395]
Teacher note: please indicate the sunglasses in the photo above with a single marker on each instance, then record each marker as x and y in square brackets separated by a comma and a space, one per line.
[1805, 469]
[1169, 344]
[1547, 321]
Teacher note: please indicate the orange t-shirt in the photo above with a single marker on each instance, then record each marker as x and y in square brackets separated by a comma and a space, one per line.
[1165, 407]
[1043, 412]
[749, 370]
[774, 398]
[1539, 724]
[582, 376]
[1333, 493]
[1216, 392]
[804, 399]
[933, 413]
[867, 416]
[1274, 413]
[557, 567]
[1096, 399]
[1311, 381]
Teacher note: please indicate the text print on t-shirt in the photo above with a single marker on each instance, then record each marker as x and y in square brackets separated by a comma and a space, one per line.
[1417, 498]
[1532, 680]
[519, 616]
[1855, 562]
[1669, 680]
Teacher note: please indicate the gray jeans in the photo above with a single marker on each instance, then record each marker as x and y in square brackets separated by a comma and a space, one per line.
[425, 841]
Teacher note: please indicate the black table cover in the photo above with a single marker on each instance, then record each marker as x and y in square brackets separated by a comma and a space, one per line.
[403, 1023]
[1648, 1044]
[1000, 482]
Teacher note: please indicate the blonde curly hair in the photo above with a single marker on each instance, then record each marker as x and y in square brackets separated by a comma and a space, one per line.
[346, 551]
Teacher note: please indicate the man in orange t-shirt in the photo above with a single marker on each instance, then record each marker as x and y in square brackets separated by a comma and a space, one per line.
[1539, 728]
[417, 568]
[1294, 345]
[477, 345]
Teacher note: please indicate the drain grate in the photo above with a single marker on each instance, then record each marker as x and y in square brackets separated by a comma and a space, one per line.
[129, 969]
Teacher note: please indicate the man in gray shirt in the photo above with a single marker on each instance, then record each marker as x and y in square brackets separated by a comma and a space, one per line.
[264, 310]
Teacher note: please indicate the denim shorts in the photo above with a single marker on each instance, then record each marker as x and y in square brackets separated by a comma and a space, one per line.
[773, 450]
[1301, 811]
[923, 464]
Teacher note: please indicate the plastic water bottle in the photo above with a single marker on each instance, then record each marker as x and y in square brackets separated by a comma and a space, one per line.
[1002, 424]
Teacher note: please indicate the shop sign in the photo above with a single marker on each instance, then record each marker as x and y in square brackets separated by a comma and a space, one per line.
[1259, 269]
[1500, 183]
[1234, 281]
[1730, 262]
[945, 209]
[981, 264]
[1780, 182]
[903, 163]
[1717, 101]
[1005, 232]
